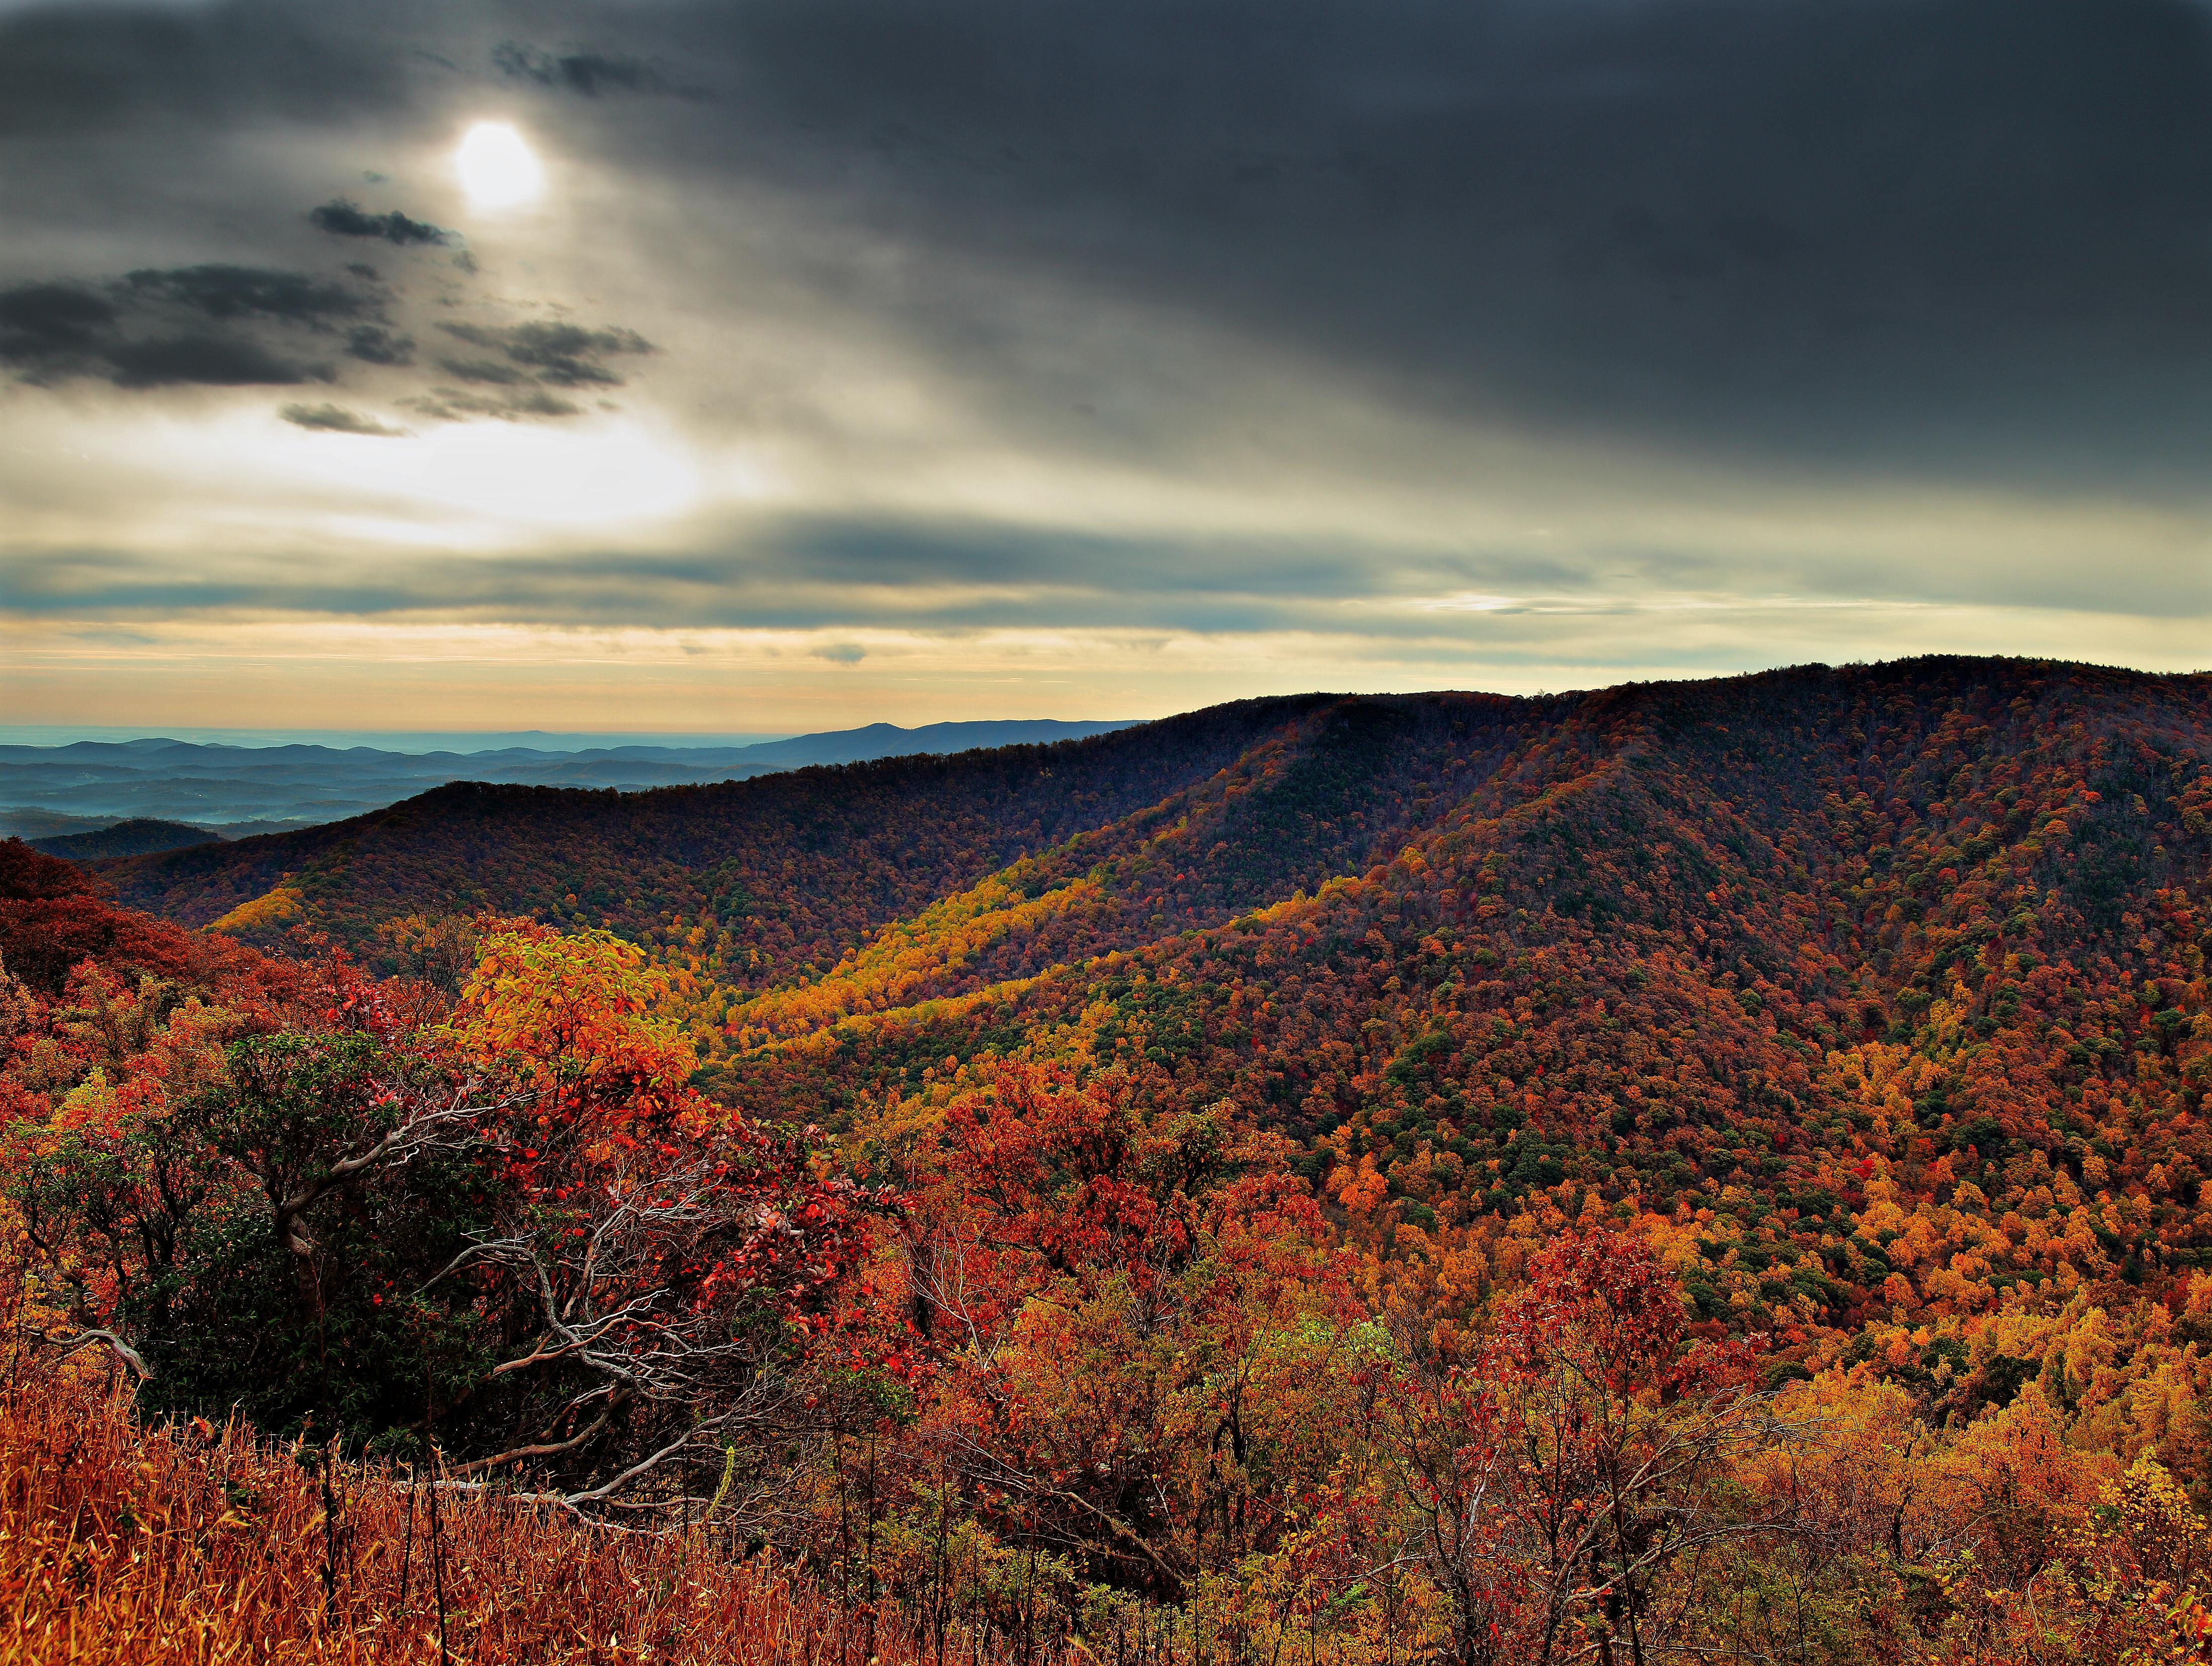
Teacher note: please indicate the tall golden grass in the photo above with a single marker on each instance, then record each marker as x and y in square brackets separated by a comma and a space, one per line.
[189, 1545]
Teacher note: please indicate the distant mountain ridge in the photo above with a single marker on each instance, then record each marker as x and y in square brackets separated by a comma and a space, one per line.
[214, 784]
[831, 849]
[889, 741]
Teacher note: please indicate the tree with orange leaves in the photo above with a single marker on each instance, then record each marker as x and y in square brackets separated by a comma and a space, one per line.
[520, 1235]
[655, 1258]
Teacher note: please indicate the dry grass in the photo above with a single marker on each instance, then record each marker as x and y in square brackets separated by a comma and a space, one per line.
[162, 1546]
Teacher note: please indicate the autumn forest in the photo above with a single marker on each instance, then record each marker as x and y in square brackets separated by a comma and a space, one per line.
[1706, 1171]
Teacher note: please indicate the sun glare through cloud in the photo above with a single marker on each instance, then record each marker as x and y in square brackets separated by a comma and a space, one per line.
[471, 480]
[497, 168]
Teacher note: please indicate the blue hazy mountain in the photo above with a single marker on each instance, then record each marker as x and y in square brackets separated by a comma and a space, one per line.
[86, 786]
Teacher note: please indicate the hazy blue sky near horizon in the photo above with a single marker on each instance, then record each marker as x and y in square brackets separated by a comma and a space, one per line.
[393, 740]
[779, 366]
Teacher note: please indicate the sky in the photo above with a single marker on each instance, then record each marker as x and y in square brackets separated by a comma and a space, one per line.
[774, 366]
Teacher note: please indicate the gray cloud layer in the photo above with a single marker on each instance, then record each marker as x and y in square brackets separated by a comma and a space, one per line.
[1949, 234]
[1930, 235]
[589, 74]
[1959, 237]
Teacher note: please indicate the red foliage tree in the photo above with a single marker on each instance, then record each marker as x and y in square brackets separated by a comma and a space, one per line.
[1571, 1465]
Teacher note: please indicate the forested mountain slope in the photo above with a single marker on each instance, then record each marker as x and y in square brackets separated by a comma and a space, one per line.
[1835, 957]
[132, 838]
[795, 866]
[1802, 936]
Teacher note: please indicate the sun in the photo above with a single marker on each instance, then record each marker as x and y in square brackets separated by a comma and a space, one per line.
[497, 167]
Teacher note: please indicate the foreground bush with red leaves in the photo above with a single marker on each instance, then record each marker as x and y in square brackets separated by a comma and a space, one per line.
[500, 1227]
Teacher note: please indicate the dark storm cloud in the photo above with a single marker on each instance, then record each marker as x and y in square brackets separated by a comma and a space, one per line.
[1934, 235]
[578, 70]
[248, 292]
[372, 343]
[530, 359]
[79, 70]
[214, 325]
[490, 371]
[43, 322]
[151, 327]
[342, 218]
[205, 360]
[337, 419]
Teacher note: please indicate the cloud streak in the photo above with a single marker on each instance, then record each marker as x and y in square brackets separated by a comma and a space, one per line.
[337, 419]
[586, 73]
[558, 355]
[343, 218]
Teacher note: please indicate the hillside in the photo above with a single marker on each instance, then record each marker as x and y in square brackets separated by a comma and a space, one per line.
[1804, 949]
[792, 868]
[1804, 937]
[1175, 1162]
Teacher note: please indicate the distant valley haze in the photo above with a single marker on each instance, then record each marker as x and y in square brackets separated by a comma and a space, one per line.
[165, 792]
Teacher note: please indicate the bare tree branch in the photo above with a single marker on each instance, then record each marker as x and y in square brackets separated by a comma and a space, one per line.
[115, 1344]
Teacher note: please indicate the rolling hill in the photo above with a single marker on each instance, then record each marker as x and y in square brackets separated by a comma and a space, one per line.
[1808, 940]
[801, 864]
[132, 838]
